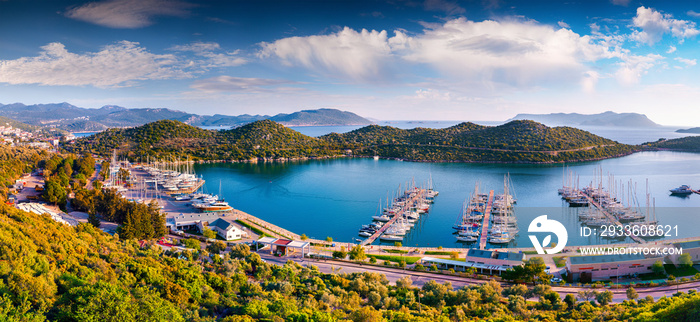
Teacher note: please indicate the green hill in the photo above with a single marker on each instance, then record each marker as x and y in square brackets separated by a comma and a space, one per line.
[516, 141]
[323, 116]
[687, 144]
[173, 139]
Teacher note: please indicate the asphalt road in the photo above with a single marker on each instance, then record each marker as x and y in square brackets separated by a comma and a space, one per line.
[420, 278]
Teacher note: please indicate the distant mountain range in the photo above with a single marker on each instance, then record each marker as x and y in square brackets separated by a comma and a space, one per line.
[612, 119]
[69, 117]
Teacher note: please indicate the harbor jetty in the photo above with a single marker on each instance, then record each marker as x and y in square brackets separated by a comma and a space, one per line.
[399, 216]
[484, 228]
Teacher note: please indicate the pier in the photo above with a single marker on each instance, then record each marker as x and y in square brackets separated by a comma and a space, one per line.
[419, 194]
[483, 238]
[612, 218]
[190, 190]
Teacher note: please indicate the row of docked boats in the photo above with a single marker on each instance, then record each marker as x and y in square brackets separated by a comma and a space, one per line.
[400, 215]
[609, 208]
[183, 186]
[502, 225]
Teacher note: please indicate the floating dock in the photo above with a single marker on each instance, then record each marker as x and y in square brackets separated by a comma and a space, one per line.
[612, 218]
[483, 238]
[192, 189]
[420, 193]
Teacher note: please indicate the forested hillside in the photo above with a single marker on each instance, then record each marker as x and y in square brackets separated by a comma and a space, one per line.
[688, 144]
[517, 141]
[53, 272]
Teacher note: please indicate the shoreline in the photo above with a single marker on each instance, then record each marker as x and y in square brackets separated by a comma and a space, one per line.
[283, 160]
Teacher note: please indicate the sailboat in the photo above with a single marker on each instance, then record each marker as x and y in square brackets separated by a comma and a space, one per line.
[217, 206]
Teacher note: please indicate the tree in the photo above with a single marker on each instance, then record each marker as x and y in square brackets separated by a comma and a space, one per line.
[240, 251]
[658, 268]
[604, 298]
[93, 220]
[216, 247]
[303, 237]
[404, 283]
[517, 289]
[339, 254]
[208, 233]
[366, 314]
[570, 300]
[329, 239]
[685, 260]
[587, 295]
[397, 244]
[358, 253]
[632, 293]
[54, 192]
[191, 243]
[454, 255]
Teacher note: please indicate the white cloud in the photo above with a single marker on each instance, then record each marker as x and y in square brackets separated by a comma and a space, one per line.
[620, 2]
[671, 49]
[633, 67]
[210, 51]
[432, 95]
[564, 25]
[511, 52]
[693, 14]
[687, 62]
[450, 8]
[516, 53]
[654, 25]
[114, 65]
[360, 56]
[237, 84]
[127, 13]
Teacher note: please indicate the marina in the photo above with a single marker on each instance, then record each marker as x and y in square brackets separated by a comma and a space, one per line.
[336, 197]
[399, 216]
[606, 207]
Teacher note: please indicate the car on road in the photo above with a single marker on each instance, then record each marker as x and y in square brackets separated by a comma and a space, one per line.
[555, 280]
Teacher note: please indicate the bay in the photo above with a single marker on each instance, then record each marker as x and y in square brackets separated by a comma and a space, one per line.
[335, 197]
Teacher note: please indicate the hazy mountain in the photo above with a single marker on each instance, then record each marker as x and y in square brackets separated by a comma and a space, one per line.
[602, 119]
[72, 118]
[695, 130]
[324, 116]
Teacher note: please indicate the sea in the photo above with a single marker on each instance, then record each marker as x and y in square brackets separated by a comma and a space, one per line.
[334, 198]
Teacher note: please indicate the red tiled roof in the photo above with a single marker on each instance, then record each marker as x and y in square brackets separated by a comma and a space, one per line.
[282, 242]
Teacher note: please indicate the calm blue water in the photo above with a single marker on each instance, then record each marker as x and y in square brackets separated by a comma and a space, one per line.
[335, 197]
[83, 134]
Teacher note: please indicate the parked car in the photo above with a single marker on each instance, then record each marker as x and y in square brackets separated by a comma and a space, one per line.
[555, 280]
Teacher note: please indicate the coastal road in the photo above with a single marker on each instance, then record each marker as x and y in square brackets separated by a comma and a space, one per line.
[420, 278]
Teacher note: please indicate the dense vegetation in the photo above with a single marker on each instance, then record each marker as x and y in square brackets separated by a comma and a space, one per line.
[15, 161]
[688, 144]
[50, 271]
[170, 139]
[517, 141]
[135, 220]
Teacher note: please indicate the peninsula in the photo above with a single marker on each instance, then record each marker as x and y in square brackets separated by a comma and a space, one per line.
[516, 142]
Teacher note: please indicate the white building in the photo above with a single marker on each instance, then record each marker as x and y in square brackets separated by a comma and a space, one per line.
[226, 229]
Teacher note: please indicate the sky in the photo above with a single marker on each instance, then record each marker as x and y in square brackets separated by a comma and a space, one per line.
[481, 60]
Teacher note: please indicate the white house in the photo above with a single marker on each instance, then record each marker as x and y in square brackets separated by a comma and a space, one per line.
[226, 229]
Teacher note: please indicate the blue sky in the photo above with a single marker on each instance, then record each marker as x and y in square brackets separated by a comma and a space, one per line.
[391, 60]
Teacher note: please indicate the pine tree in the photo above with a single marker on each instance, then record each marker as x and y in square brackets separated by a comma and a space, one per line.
[93, 220]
